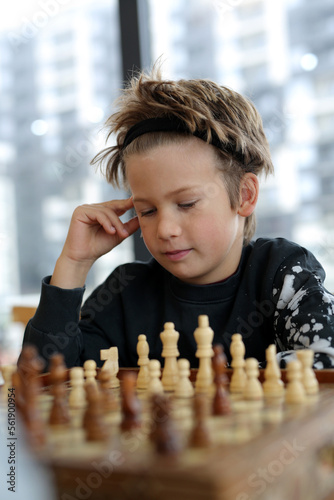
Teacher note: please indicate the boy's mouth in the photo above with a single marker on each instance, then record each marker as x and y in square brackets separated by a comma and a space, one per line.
[177, 254]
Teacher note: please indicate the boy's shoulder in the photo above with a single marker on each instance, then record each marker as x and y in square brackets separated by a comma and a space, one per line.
[281, 254]
[280, 248]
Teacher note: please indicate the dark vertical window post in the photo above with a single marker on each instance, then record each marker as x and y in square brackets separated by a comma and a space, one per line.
[135, 48]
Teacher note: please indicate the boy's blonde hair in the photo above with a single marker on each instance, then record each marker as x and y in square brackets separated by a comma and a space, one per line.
[204, 107]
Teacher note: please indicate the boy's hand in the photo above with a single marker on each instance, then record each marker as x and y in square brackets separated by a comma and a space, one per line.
[94, 231]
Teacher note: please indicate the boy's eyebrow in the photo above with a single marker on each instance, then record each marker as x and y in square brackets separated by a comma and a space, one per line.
[171, 193]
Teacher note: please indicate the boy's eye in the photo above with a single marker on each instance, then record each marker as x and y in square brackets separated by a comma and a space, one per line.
[146, 213]
[190, 204]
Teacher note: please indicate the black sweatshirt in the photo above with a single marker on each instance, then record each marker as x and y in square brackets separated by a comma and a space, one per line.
[275, 296]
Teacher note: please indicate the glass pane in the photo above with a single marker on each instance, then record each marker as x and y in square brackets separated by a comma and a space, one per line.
[60, 72]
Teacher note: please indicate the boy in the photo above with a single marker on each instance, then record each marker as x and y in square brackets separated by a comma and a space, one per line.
[190, 152]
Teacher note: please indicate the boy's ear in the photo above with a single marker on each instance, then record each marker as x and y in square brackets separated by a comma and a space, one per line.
[249, 192]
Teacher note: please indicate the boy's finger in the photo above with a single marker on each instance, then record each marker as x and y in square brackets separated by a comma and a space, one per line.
[132, 225]
[120, 206]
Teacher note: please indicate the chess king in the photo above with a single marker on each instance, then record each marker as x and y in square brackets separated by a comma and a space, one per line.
[190, 152]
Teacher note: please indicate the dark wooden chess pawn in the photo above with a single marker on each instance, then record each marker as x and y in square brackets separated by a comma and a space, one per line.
[32, 417]
[19, 399]
[221, 401]
[29, 367]
[199, 436]
[93, 422]
[131, 408]
[27, 389]
[59, 414]
[109, 402]
[163, 433]
[30, 364]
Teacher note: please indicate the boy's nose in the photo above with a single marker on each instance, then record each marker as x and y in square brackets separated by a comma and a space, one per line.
[168, 227]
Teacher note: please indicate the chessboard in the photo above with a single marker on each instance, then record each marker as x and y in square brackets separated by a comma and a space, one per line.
[124, 441]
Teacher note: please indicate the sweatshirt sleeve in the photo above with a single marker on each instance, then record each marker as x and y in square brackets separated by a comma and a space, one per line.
[55, 325]
[304, 316]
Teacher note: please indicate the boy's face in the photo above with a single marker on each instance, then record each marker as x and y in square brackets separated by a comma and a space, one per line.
[184, 211]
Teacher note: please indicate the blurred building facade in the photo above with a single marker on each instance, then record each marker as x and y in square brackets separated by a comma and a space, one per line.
[57, 85]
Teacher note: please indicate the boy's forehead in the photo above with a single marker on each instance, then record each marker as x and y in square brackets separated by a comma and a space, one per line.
[171, 169]
[184, 189]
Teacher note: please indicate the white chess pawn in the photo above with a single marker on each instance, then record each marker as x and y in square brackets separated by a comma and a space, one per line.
[204, 336]
[184, 388]
[169, 338]
[237, 350]
[310, 382]
[273, 385]
[155, 384]
[7, 372]
[295, 392]
[143, 362]
[90, 371]
[77, 397]
[253, 389]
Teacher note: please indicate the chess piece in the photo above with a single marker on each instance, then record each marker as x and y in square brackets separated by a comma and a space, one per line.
[27, 387]
[273, 385]
[32, 417]
[155, 384]
[199, 436]
[77, 397]
[59, 414]
[90, 371]
[310, 382]
[253, 389]
[130, 403]
[163, 433]
[204, 336]
[25, 380]
[169, 338]
[221, 402]
[93, 419]
[237, 350]
[184, 388]
[110, 356]
[19, 393]
[29, 366]
[109, 402]
[7, 374]
[143, 361]
[295, 392]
